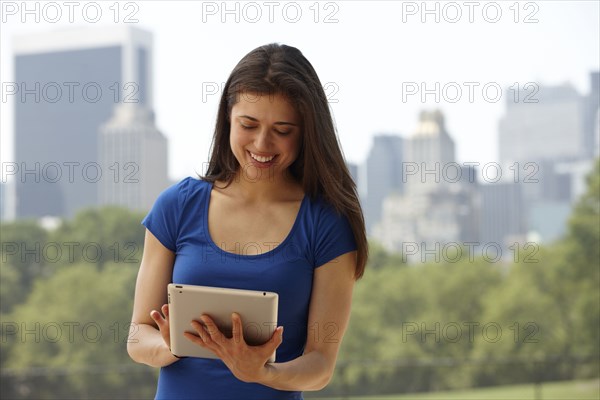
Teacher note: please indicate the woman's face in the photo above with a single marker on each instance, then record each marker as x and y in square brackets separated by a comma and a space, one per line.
[265, 134]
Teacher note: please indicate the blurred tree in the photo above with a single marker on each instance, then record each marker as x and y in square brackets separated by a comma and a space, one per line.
[72, 333]
[584, 231]
[554, 302]
[582, 264]
[22, 244]
[98, 236]
[11, 292]
[379, 257]
[402, 316]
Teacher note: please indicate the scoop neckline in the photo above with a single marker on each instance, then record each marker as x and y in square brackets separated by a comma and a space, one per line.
[249, 256]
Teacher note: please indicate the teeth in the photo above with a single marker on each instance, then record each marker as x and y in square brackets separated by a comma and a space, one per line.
[260, 158]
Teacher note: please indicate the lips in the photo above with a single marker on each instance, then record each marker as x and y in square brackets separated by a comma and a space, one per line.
[262, 159]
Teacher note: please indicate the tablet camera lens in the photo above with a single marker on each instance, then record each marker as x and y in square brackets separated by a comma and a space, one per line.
[264, 293]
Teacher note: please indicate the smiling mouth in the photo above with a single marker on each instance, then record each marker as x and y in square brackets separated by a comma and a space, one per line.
[261, 159]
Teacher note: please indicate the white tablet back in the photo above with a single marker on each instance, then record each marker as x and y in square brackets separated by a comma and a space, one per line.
[258, 310]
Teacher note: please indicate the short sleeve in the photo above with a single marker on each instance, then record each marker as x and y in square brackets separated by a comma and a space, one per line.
[334, 236]
[163, 218]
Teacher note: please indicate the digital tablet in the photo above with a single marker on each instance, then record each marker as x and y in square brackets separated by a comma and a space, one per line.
[258, 310]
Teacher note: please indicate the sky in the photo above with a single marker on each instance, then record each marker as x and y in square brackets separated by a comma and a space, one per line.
[370, 56]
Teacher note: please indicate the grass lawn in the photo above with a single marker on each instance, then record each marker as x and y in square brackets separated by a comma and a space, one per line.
[567, 390]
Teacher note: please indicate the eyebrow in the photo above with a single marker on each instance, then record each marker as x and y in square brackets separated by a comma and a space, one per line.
[276, 123]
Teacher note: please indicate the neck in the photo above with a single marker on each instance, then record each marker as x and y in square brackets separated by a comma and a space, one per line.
[267, 187]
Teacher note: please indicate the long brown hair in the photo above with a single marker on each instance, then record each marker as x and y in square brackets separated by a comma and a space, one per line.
[320, 166]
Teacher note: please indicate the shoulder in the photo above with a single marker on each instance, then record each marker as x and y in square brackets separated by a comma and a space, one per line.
[179, 192]
[330, 232]
[318, 209]
[323, 218]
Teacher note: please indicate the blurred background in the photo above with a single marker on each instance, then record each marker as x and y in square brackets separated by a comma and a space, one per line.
[470, 128]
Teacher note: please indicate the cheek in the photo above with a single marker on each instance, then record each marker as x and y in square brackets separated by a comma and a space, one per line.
[235, 139]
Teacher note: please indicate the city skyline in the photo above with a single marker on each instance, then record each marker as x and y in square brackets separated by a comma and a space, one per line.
[505, 54]
[57, 140]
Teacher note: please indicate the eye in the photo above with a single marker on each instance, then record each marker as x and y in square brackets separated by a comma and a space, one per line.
[246, 127]
[283, 133]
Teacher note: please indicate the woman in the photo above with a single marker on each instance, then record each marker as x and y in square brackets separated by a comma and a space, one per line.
[276, 211]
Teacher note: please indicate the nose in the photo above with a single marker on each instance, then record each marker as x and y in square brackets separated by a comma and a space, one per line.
[262, 140]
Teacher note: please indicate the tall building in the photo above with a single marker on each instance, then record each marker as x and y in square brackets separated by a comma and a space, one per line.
[383, 175]
[503, 217]
[592, 116]
[69, 81]
[545, 124]
[561, 184]
[440, 203]
[430, 154]
[3, 187]
[548, 136]
[134, 154]
[597, 135]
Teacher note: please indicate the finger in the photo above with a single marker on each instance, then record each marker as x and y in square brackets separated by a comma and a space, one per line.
[275, 341]
[198, 340]
[165, 310]
[157, 317]
[237, 329]
[204, 339]
[201, 331]
[162, 324]
[212, 329]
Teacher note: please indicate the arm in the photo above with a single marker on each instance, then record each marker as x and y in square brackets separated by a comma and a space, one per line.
[147, 343]
[328, 317]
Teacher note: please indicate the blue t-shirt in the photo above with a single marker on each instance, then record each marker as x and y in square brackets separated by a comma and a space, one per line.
[179, 221]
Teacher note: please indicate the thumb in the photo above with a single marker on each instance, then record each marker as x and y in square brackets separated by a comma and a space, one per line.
[279, 334]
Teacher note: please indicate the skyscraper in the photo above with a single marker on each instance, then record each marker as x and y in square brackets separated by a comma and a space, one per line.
[429, 154]
[383, 174]
[134, 151]
[67, 84]
[547, 138]
[503, 216]
[440, 203]
[544, 124]
[592, 116]
[3, 187]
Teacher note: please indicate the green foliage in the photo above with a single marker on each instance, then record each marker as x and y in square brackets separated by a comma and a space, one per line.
[379, 257]
[547, 303]
[64, 317]
[76, 320]
[10, 288]
[415, 327]
[584, 230]
[103, 235]
[22, 244]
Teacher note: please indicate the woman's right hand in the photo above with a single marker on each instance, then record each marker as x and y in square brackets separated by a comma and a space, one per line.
[162, 320]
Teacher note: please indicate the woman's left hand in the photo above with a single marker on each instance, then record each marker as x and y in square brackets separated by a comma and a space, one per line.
[247, 363]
